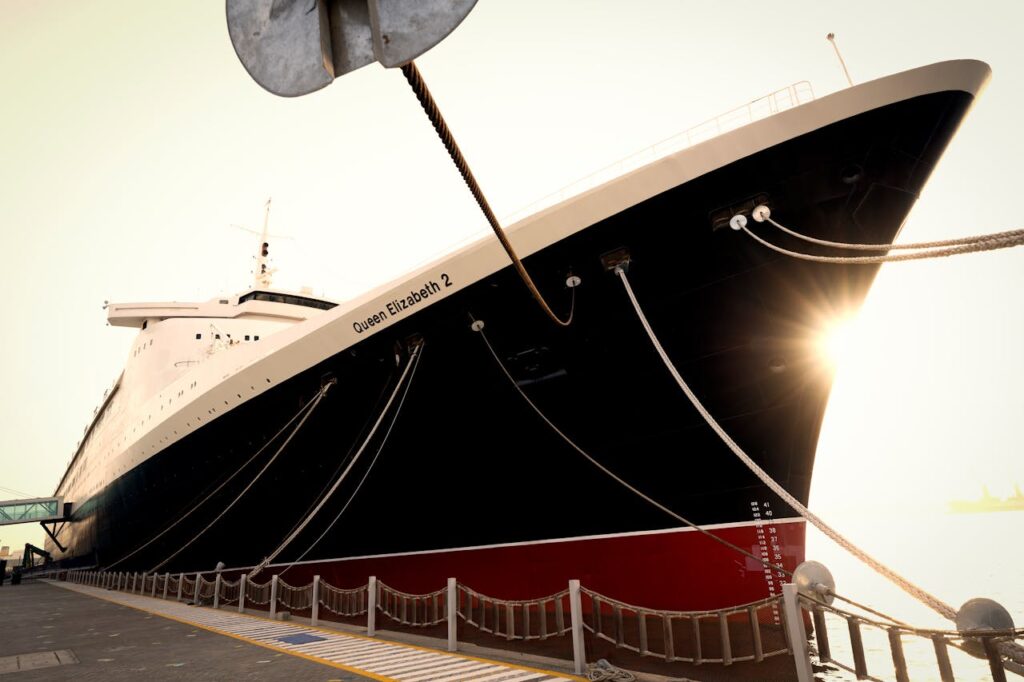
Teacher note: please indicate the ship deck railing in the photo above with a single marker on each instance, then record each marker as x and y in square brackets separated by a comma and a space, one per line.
[780, 100]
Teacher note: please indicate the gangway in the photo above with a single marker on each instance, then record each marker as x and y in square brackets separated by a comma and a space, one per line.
[41, 510]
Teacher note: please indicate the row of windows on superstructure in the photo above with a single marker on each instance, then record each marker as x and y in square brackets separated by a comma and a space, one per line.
[256, 337]
[141, 347]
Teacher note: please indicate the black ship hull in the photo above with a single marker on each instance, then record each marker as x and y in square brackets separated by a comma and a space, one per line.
[471, 484]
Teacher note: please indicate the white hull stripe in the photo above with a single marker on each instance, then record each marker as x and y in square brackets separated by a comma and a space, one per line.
[375, 659]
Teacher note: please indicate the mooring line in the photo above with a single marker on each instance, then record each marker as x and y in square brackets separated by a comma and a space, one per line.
[366, 474]
[910, 588]
[238, 470]
[316, 401]
[478, 327]
[355, 458]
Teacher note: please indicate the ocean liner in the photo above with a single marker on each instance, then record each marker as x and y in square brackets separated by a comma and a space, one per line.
[463, 479]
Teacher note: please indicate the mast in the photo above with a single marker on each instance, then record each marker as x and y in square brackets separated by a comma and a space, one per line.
[262, 276]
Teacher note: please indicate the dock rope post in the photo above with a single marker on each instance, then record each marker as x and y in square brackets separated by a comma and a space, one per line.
[216, 592]
[195, 596]
[241, 593]
[117, 586]
[152, 592]
[135, 577]
[181, 581]
[453, 617]
[315, 602]
[797, 633]
[167, 582]
[579, 655]
[371, 607]
[273, 597]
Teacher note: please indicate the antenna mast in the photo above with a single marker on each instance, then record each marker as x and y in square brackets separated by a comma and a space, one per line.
[263, 274]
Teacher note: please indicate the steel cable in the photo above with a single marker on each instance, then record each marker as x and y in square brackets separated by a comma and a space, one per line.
[419, 86]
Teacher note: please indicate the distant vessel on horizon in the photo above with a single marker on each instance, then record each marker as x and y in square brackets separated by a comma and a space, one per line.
[989, 503]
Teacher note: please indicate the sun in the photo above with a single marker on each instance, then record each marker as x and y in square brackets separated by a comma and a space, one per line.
[838, 340]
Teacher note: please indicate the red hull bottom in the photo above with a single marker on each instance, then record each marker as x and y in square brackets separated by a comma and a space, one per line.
[677, 569]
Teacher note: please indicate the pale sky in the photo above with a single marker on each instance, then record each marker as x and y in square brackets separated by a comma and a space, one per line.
[131, 139]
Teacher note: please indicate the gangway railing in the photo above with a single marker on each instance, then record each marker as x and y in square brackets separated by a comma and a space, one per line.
[766, 628]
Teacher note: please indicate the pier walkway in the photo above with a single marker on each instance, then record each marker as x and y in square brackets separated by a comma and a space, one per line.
[358, 656]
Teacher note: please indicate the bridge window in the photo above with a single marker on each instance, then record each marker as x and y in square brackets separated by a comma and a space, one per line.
[198, 337]
[291, 299]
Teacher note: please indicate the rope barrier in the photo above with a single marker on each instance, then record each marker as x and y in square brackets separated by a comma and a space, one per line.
[312, 408]
[216, 490]
[295, 533]
[419, 86]
[910, 588]
[366, 474]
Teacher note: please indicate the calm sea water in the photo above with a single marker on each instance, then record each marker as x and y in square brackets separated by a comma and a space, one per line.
[953, 556]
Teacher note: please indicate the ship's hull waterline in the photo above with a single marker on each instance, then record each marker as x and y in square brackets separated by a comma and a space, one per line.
[471, 484]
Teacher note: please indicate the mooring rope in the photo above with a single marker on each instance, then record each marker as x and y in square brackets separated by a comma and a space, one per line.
[910, 588]
[381, 396]
[223, 483]
[989, 242]
[763, 214]
[366, 474]
[419, 86]
[312, 408]
[355, 458]
[478, 327]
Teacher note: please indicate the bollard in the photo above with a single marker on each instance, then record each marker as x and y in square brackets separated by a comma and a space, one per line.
[216, 592]
[181, 581]
[315, 599]
[152, 592]
[452, 616]
[135, 577]
[273, 597]
[118, 585]
[371, 607]
[195, 598]
[579, 655]
[797, 633]
[167, 582]
[241, 593]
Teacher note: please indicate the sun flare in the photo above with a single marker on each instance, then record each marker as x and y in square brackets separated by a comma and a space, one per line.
[838, 340]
